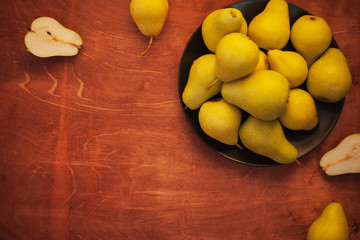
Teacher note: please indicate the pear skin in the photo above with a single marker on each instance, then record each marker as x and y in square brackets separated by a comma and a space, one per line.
[329, 78]
[344, 158]
[263, 63]
[267, 138]
[220, 23]
[149, 16]
[301, 112]
[310, 36]
[236, 56]
[220, 120]
[291, 64]
[270, 29]
[332, 224]
[263, 94]
[201, 75]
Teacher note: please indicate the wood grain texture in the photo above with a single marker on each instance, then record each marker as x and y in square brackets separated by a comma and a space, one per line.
[96, 146]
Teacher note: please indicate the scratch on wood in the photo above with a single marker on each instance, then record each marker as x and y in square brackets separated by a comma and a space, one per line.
[73, 183]
[55, 83]
[100, 108]
[27, 81]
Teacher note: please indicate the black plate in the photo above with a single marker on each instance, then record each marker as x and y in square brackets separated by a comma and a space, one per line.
[304, 141]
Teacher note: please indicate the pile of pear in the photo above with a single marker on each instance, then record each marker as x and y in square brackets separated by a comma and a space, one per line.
[248, 69]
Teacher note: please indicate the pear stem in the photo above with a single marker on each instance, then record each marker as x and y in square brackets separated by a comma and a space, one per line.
[298, 162]
[212, 84]
[148, 47]
[240, 147]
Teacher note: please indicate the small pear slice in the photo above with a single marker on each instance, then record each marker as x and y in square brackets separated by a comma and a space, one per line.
[344, 158]
[48, 38]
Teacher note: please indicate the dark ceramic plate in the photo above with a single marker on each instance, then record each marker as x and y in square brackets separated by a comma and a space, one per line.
[304, 141]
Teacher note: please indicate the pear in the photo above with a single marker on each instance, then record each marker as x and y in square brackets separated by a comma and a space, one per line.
[344, 158]
[236, 56]
[289, 63]
[263, 63]
[270, 29]
[329, 78]
[300, 113]
[48, 38]
[267, 138]
[220, 120]
[330, 225]
[149, 16]
[263, 94]
[220, 23]
[244, 27]
[201, 75]
[310, 36]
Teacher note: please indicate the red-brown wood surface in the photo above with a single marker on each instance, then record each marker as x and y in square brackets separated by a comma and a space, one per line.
[97, 146]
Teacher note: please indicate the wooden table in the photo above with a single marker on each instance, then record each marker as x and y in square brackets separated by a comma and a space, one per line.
[97, 146]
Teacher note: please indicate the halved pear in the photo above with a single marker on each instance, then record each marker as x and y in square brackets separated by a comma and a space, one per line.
[344, 158]
[48, 38]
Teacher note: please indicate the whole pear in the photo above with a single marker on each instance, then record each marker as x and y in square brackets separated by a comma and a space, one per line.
[300, 113]
[289, 63]
[236, 56]
[344, 158]
[270, 29]
[219, 23]
[310, 36]
[329, 78]
[201, 75]
[330, 225]
[149, 16]
[263, 94]
[220, 120]
[267, 138]
[263, 63]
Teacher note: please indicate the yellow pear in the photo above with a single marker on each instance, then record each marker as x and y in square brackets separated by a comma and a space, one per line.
[201, 75]
[263, 63]
[310, 36]
[220, 120]
[267, 138]
[270, 29]
[236, 57]
[300, 113]
[291, 64]
[330, 225]
[263, 94]
[344, 158]
[244, 27]
[220, 23]
[149, 16]
[329, 78]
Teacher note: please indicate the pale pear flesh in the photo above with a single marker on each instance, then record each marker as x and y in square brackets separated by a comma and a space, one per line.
[344, 158]
[47, 38]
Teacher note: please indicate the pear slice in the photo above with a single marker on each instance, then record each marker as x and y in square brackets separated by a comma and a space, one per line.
[344, 158]
[48, 38]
